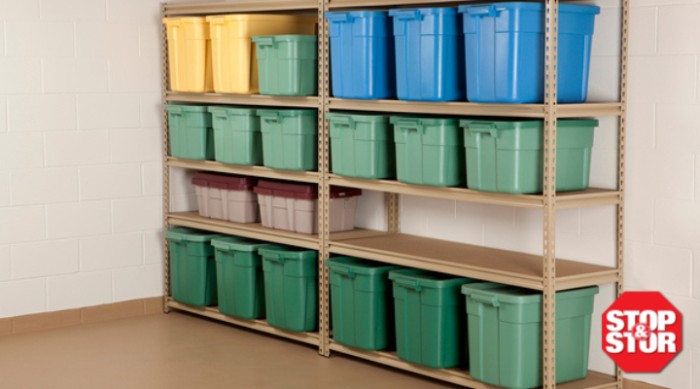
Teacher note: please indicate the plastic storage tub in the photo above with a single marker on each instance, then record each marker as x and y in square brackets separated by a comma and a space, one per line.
[429, 318]
[505, 334]
[505, 46]
[226, 197]
[362, 55]
[189, 54]
[235, 64]
[289, 138]
[361, 303]
[291, 288]
[294, 207]
[191, 133]
[287, 65]
[429, 54]
[428, 151]
[240, 277]
[192, 267]
[361, 145]
[237, 136]
[507, 156]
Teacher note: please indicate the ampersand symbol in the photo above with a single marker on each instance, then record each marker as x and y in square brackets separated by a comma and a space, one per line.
[641, 331]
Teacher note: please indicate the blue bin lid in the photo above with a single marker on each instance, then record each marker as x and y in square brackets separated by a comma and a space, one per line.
[424, 11]
[526, 6]
[343, 16]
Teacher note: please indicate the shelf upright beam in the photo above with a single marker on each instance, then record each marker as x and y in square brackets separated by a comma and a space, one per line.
[166, 169]
[549, 193]
[392, 212]
[324, 183]
[622, 130]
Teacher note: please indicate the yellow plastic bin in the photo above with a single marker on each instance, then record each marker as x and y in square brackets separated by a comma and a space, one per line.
[235, 63]
[189, 54]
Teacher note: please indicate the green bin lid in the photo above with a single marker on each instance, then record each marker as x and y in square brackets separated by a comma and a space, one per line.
[423, 121]
[515, 295]
[190, 235]
[230, 111]
[186, 108]
[284, 38]
[505, 124]
[241, 244]
[342, 118]
[285, 112]
[358, 265]
[287, 252]
[427, 279]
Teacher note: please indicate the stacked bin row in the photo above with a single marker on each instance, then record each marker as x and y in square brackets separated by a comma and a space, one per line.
[247, 279]
[421, 315]
[277, 204]
[480, 53]
[244, 54]
[483, 153]
[276, 138]
[375, 306]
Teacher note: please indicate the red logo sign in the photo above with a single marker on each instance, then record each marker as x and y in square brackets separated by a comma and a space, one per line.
[642, 332]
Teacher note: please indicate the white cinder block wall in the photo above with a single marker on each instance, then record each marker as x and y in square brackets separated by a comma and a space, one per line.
[80, 171]
[80, 154]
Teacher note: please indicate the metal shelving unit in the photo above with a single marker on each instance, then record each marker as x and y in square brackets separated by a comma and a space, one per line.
[539, 272]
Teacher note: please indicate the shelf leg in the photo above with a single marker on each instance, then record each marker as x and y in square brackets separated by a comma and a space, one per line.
[549, 194]
[324, 186]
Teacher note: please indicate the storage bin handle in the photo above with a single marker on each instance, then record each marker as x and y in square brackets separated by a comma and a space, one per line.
[412, 284]
[264, 41]
[413, 14]
[484, 127]
[345, 272]
[175, 238]
[344, 17]
[406, 125]
[345, 121]
[486, 299]
[271, 117]
[274, 257]
[487, 10]
[175, 110]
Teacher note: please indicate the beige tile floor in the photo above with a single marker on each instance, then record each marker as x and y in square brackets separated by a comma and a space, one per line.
[179, 351]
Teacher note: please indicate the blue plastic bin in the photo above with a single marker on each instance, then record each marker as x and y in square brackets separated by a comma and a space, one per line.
[429, 54]
[362, 55]
[504, 47]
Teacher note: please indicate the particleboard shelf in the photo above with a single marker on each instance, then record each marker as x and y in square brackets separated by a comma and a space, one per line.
[508, 267]
[252, 100]
[584, 198]
[252, 230]
[477, 109]
[257, 231]
[594, 380]
[257, 325]
[253, 171]
[239, 6]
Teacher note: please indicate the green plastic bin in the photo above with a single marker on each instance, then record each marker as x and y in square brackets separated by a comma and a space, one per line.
[507, 155]
[428, 151]
[291, 288]
[289, 138]
[240, 277]
[505, 334]
[287, 64]
[362, 145]
[430, 325]
[237, 136]
[192, 267]
[361, 303]
[190, 130]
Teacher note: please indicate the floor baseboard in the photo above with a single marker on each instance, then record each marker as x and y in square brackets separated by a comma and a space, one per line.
[73, 317]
